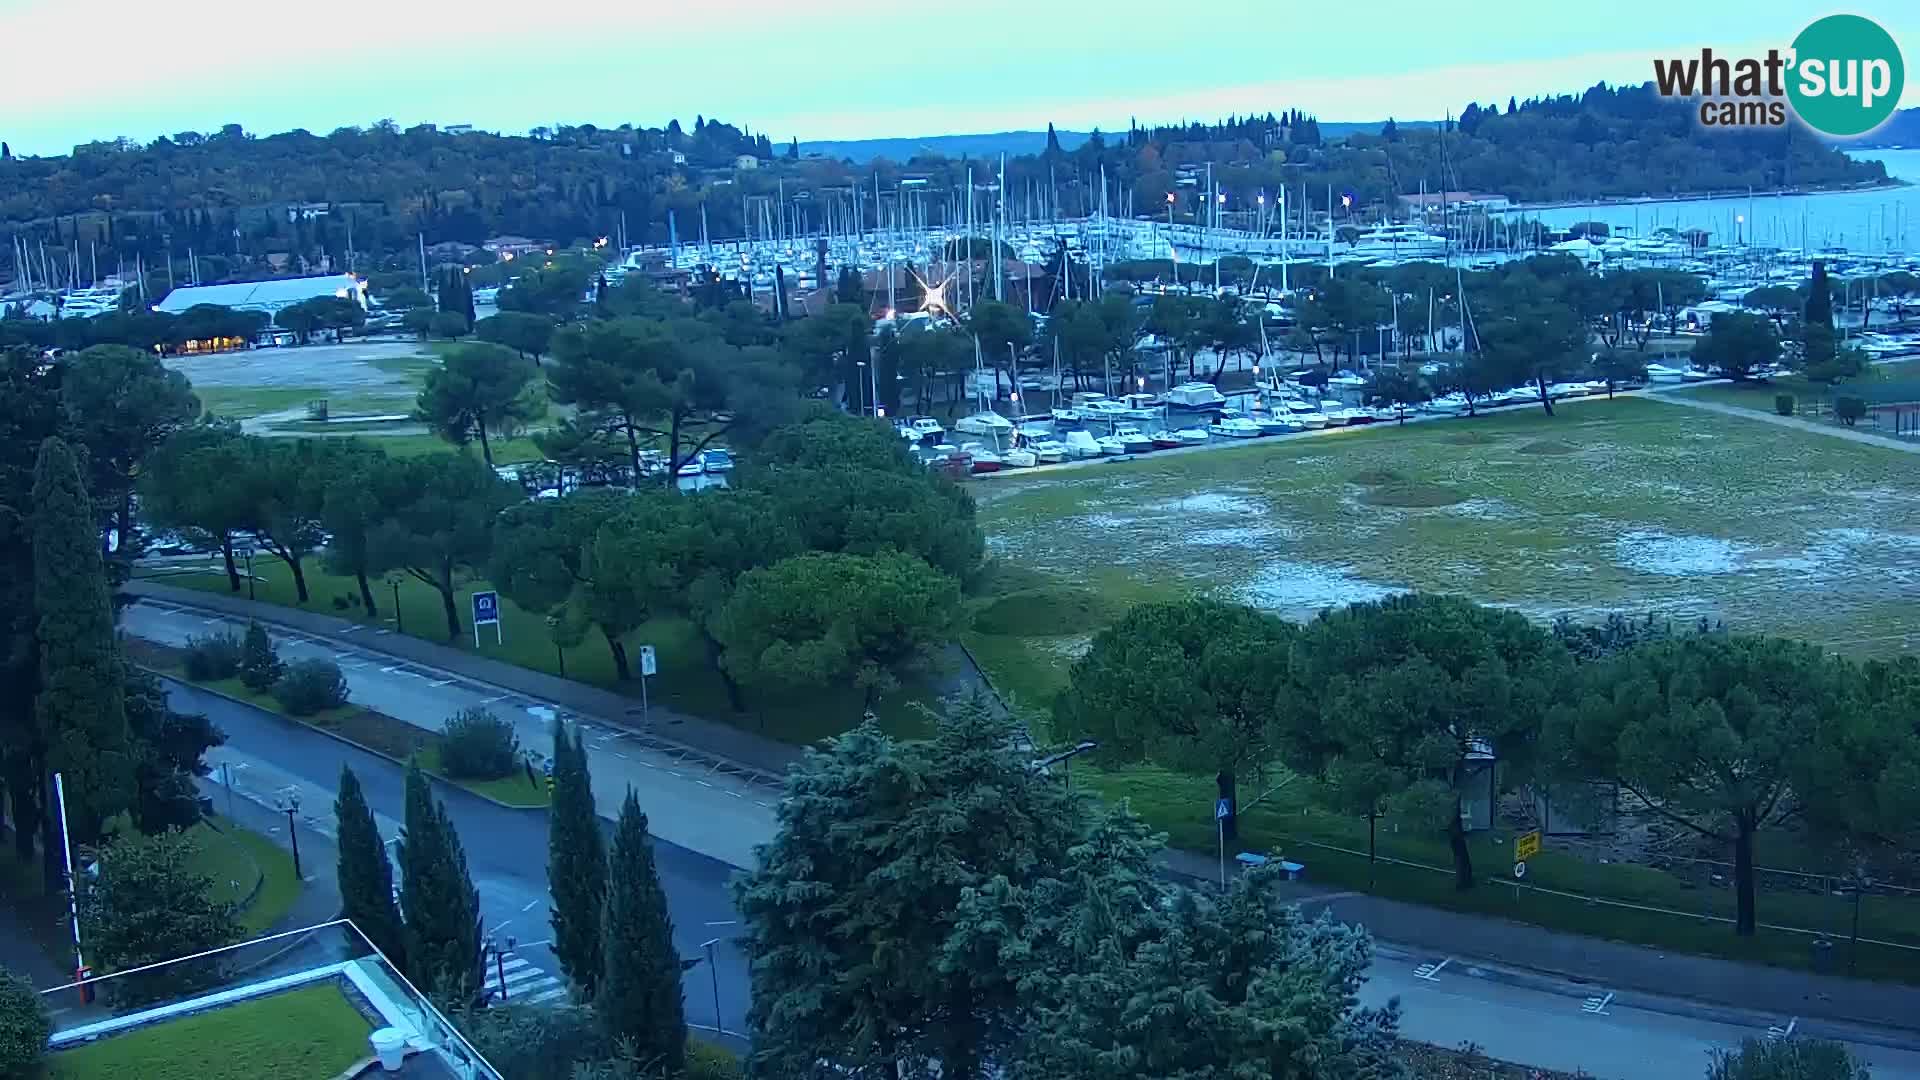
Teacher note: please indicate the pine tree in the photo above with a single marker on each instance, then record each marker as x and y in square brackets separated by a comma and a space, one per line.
[80, 709]
[366, 877]
[640, 999]
[437, 896]
[576, 865]
[260, 664]
[1817, 343]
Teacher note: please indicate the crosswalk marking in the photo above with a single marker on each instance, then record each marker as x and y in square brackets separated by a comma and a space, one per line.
[525, 983]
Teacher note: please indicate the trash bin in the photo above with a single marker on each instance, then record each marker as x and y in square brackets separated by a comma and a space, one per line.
[390, 1046]
[1822, 954]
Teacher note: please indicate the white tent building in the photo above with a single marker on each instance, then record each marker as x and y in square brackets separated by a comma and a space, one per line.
[267, 296]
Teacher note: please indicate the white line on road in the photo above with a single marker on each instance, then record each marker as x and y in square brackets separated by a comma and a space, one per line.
[703, 783]
[444, 682]
[620, 755]
[1431, 972]
[1775, 1034]
[547, 995]
[1597, 1005]
[531, 904]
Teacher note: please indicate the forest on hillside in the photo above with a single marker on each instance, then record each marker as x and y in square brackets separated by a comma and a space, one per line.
[233, 197]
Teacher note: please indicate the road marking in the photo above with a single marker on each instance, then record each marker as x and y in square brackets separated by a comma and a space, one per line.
[351, 629]
[444, 682]
[547, 995]
[725, 922]
[389, 670]
[383, 631]
[1597, 1005]
[649, 764]
[703, 783]
[736, 795]
[1775, 1034]
[620, 755]
[531, 904]
[1431, 972]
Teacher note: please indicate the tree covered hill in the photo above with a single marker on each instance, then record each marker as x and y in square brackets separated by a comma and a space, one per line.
[237, 198]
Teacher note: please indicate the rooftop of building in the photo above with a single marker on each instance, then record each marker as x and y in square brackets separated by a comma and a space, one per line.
[272, 293]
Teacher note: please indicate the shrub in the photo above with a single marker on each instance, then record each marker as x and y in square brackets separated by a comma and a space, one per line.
[260, 665]
[1783, 404]
[477, 745]
[1786, 1059]
[1849, 409]
[311, 686]
[214, 657]
[706, 1061]
[24, 1027]
[531, 1042]
[448, 324]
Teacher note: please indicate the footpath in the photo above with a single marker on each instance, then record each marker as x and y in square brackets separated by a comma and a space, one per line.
[1410, 935]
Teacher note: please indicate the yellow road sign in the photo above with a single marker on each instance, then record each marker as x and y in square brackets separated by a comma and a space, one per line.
[1526, 846]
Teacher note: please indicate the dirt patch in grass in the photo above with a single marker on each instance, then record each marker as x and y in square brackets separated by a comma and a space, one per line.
[1378, 478]
[1471, 438]
[1413, 496]
[1048, 612]
[1548, 446]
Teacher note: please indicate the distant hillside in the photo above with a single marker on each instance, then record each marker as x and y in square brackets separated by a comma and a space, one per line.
[1902, 129]
[1010, 143]
[1015, 143]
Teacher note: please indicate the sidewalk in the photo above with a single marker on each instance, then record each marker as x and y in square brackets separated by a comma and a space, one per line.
[744, 747]
[1865, 438]
[1597, 966]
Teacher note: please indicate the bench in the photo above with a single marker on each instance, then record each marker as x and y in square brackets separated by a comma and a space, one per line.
[1294, 871]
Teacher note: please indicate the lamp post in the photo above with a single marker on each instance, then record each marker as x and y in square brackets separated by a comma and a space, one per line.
[553, 631]
[398, 626]
[290, 806]
[713, 971]
[246, 553]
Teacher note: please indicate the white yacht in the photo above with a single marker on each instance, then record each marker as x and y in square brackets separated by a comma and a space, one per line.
[1192, 436]
[922, 429]
[1661, 373]
[1235, 427]
[1133, 439]
[1050, 451]
[1195, 398]
[990, 424]
[1398, 242]
[1111, 445]
[1140, 406]
[1019, 459]
[1082, 444]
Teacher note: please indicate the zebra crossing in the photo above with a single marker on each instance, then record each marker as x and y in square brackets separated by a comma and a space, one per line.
[525, 983]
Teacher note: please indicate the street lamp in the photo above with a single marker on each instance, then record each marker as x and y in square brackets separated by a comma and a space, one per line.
[713, 970]
[394, 580]
[290, 806]
[553, 631]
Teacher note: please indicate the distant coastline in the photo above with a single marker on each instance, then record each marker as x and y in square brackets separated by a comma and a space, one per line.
[1889, 184]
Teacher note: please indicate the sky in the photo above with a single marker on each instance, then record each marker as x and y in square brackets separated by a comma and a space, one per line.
[831, 69]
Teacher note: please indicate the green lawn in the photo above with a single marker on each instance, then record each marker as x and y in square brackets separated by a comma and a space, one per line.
[234, 858]
[311, 1033]
[686, 681]
[1812, 400]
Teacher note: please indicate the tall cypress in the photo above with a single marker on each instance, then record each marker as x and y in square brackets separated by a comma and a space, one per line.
[80, 709]
[576, 865]
[466, 296]
[366, 877]
[640, 999]
[1817, 344]
[437, 897]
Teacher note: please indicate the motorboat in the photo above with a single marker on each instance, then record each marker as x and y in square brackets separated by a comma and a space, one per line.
[1084, 398]
[1050, 451]
[1278, 425]
[1192, 436]
[1165, 439]
[1019, 459]
[1312, 420]
[1110, 445]
[1346, 415]
[1567, 390]
[1106, 412]
[1346, 379]
[1033, 424]
[1235, 427]
[691, 467]
[1694, 374]
[989, 423]
[716, 461]
[1445, 405]
[1386, 414]
[1133, 439]
[1661, 373]
[1082, 444]
[1140, 406]
[922, 429]
[984, 459]
[1301, 406]
[1400, 242]
[1195, 397]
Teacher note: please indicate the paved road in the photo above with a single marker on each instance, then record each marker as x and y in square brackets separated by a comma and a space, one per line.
[688, 803]
[268, 758]
[1508, 1014]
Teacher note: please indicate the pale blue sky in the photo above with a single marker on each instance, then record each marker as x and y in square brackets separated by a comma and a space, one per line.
[84, 69]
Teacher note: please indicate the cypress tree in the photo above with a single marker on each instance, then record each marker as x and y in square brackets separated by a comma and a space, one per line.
[366, 877]
[640, 1000]
[466, 296]
[80, 709]
[1819, 297]
[437, 896]
[576, 865]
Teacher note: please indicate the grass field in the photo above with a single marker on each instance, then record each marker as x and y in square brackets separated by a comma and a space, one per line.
[1812, 400]
[234, 859]
[308, 1034]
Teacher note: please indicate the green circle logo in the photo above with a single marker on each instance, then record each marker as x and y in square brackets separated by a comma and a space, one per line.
[1847, 76]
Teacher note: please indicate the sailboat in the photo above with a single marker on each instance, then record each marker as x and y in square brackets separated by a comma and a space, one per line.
[985, 423]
